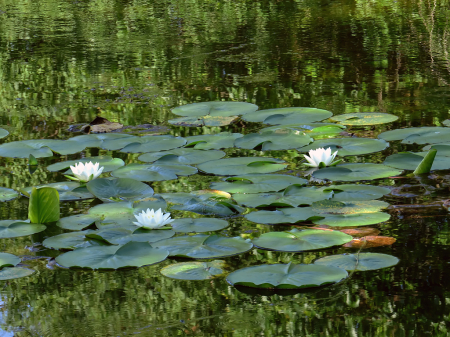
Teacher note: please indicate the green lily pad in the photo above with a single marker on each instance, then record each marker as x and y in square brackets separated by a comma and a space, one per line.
[10, 273]
[284, 215]
[355, 172]
[198, 225]
[3, 133]
[125, 234]
[16, 228]
[364, 118]
[77, 222]
[109, 163]
[210, 207]
[242, 165]
[202, 246]
[289, 198]
[423, 135]
[352, 220]
[199, 121]
[297, 241]
[194, 270]
[23, 149]
[218, 141]
[348, 146]
[359, 262]
[256, 183]
[215, 108]
[97, 140]
[184, 156]
[154, 172]
[68, 191]
[7, 194]
[281, 139]
[131, 254]
[138, 144]
[287, 115]
[443, 149]
[72, 240]
[119, 189]
[8, 260]
[410, 160]
[304, 127]
[356, 192]
[348, 207]
[286, 276]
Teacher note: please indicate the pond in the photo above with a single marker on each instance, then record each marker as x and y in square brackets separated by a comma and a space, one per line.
[140, 64]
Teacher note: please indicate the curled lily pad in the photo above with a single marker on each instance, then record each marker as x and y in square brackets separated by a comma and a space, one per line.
[199, 225]
[125, 234]
[183, 156]
[8, 260]
[72, 240]
[215, 108]
[194, 270]
[15, 228]
[138, 144]
[359, 262]
[256, 183]
[410, 160]
[355, 172]
[154, 172]
[97, 140]
[348, 146]
[281, 139]
[287, 115]
[68, 191]
[119, 189]
[131, 254]
[203, 246]
[285, 276]
[297, 241]
[240, 165]
[109, 163]
[423, 135]
[7, 194]
[209, 142]
[284, 215]
[9, 273]
[364, 118]
[198, 121]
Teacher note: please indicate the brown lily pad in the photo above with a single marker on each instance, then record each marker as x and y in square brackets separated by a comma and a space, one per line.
[370, 242]
[360, 232]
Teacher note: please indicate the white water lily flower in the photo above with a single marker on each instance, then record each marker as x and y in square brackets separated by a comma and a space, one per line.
[150, 219]
[320, 155]
[85, 172]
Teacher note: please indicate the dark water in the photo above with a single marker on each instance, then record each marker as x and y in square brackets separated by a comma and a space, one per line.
[62, 62]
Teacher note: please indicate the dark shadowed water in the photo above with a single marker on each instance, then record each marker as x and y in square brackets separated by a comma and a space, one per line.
[63, 62]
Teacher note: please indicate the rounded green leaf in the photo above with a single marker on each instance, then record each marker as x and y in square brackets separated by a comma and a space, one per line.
[197, 121]
[210, 207]
[202, 246]
[281, 139]
[199, 225]
[348, 207]
[107, 162]
[364, 118]
[125, 234]
[284, 215]
[97, 140]
[255, 183]
[221, 140]
[23, 149]
[77, 222]
[8, 260]
[184, 156]
[242, 165]
[348, 146]
[119, 189]
[72, 240]
[297, 241]
[10, 273]
[7, 194]
[15, 228]
[131, 254]
[410, 160]
[359, 262]
[306, 127]
[352, 220]
[154, 172]
[285, 276]
[287, 116]
[194, 270]
[144, 144]
[423, 135]
[355, 172]
[68, 190]
[217, 108]
[356, 192]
